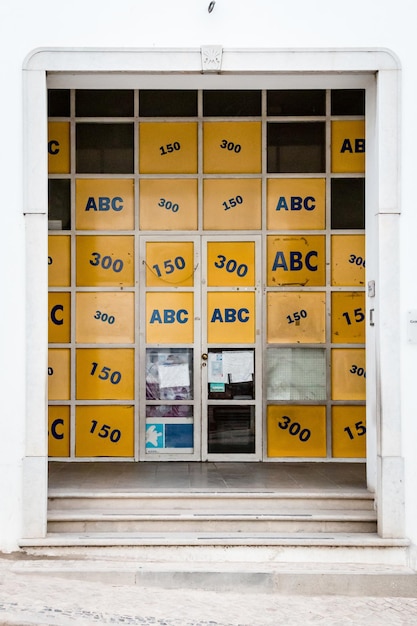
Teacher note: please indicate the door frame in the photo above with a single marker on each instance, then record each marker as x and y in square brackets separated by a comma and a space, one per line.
[376, 70]
[195, 346]
[257, 455]
[200, 345]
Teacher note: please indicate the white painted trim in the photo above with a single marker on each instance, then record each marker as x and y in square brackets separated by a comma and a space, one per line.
[283, 69]
[179, 60]
[35, 120]
[101, 80]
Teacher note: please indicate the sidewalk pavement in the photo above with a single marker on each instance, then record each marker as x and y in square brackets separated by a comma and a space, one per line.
[28, 598]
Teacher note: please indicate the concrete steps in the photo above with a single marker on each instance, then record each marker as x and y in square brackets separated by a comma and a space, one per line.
[127, 522]
[188, 512]
[115, 542]
[296, 541]
[271, 501]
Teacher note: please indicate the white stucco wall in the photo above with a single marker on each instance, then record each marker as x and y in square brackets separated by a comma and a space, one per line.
[26, 26]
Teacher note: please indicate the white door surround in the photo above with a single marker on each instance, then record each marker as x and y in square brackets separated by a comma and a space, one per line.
[378, 72]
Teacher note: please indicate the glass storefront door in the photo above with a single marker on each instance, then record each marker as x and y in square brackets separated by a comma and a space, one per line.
[200, 348]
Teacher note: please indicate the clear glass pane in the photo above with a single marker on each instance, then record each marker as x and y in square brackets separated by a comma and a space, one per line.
[104, 148]
[231, 103]
[167, 103]
[104, 103]
[58, 103]
[348, 203]
[296, 147]
[296, 102]
[169, 410]
[296, 374]
[231, 429]
[59, 204]
[348, 102]
[231, 374]
[169, 374]
[169, 429]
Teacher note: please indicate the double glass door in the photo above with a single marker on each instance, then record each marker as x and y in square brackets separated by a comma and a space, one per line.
[201, 392]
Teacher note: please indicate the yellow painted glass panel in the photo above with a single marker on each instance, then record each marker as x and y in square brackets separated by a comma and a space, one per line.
[296, 260]
[348, 260]
[349, 432]
[58, 147]
[169, 263]
[105, 261]
[104, 204]
[105, 374]
[59, 374]
[230, 263]
[59, 431]
[168, 204]
[59, 319]
[170, 317]
[296, 203]
[232, 204]
[59, 261]
[230, 317]
[348, 317]
[296, 317]
[167, 147]
[348, 374]
[296, 431]
[232, 147]
[104, 431]
[348, 146]
[103, 317]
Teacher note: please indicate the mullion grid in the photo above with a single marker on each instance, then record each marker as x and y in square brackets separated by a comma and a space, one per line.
[136, 234]
[328, 288]
[79, 289]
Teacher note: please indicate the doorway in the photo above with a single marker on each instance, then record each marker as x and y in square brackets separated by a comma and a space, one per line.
[375, 71]
[207, 274]
[203, 396]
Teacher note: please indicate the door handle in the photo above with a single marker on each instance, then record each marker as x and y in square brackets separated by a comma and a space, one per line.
[204, 356]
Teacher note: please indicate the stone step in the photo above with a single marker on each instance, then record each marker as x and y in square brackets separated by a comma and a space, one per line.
[343, 581]
[271, 502]
[81, 521]
[211, 552]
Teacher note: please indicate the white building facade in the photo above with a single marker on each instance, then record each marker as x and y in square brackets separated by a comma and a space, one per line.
[236, 48]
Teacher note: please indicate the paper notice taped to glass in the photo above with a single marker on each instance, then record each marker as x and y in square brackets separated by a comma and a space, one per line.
[238, 366]
[177, 375]
[231, 366]
[215, 367]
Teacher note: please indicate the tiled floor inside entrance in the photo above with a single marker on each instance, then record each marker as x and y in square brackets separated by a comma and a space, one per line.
[206, 477]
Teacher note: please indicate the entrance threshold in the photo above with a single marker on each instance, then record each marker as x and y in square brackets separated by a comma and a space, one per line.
[206, 477]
